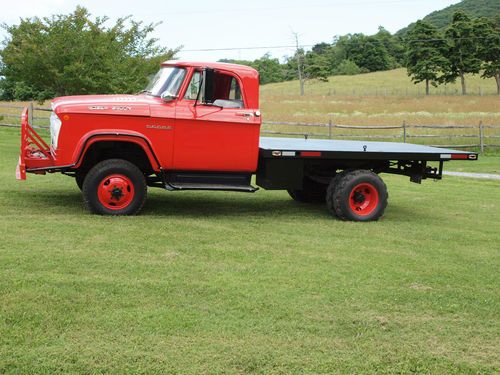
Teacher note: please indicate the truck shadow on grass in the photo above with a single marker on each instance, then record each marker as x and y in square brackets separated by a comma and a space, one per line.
[197, 204]
[202, 204]
[176, 204]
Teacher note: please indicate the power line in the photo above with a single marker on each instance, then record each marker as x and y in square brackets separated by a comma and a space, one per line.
[243, 48]
[312, 45]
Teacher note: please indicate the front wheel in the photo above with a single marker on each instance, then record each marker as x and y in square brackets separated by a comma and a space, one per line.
[358, 195]
[115, 187]
[80, 178]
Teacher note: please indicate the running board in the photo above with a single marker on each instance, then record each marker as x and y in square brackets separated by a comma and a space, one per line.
[191, 186]
[193, 180]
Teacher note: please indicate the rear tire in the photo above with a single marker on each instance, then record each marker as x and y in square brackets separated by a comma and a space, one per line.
[358, 195]
[115, 187]
[311, 192]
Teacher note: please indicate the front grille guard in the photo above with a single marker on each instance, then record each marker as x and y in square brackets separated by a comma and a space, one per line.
[34, 152]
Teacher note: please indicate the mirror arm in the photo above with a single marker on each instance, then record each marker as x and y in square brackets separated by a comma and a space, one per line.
[199, 89]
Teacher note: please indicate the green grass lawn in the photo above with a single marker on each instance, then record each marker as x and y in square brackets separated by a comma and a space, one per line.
[247, 283]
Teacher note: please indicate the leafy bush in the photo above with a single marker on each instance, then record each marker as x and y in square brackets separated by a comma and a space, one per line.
[348, 68]
[75, 54]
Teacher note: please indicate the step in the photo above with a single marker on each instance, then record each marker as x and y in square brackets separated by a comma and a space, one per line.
[204, 186]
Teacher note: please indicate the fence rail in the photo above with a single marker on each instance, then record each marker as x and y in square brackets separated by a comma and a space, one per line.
[403, 131]
[403, 134]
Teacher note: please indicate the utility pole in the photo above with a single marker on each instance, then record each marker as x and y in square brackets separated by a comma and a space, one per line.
[299, 63]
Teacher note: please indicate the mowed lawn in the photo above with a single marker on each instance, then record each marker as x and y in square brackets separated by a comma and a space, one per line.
[216, 283]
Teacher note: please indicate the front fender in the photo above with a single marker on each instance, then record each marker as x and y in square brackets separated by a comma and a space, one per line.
[115, 135]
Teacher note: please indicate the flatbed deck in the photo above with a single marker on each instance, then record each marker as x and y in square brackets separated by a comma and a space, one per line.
[343, 149]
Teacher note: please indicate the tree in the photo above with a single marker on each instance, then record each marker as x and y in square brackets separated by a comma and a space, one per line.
[367, 52]
[394, 46]
[424, 54]
[461, 52]
[270, 70]
[316, 66]
[488, 47]
[73, 54]
[348, 68]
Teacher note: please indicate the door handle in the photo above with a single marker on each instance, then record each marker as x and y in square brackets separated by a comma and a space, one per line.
[245, 114]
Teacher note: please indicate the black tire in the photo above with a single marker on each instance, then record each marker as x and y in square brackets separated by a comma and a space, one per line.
[358, 195]
[131, 185]
[79, 178]
[332, 186]
[311, 192]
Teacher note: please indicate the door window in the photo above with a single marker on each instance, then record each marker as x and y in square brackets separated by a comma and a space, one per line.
[193, 87]
[224, 89]
[234, 91]
[227, 91]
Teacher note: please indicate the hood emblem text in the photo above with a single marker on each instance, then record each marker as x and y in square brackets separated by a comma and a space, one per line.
[159, 127]
[114, 108]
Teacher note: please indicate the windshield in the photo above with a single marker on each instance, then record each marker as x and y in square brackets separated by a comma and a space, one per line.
[168, 81]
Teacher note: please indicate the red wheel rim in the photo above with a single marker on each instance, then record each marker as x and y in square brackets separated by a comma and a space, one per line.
[363, 199]
[115, 192]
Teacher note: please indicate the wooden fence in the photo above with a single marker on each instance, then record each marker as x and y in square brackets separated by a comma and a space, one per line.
[401, 132]
[10, 116]
[39, 117]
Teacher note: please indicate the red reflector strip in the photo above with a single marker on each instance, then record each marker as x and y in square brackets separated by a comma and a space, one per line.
[311, 154]
[459, 156]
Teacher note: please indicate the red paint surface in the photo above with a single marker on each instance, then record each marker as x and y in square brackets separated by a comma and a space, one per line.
[115, 192]
[369, 201]
[174, 135]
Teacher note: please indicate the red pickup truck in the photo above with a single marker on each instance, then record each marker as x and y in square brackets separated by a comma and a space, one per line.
[197, 127]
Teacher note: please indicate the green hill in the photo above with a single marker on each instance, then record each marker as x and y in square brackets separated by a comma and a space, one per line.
[475, 8]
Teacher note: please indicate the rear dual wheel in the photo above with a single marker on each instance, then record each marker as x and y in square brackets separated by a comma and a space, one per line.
[357, 195]
[114, 187]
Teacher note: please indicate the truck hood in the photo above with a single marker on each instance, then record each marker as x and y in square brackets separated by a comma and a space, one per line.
[130, 105]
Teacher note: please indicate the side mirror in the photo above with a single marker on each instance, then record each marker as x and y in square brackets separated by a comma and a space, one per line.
[167, 96]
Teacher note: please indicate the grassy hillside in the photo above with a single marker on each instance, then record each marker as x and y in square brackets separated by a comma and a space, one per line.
[214, 283]
[387, 83]
[475, 8]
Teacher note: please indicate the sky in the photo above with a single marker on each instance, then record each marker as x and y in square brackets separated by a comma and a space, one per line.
[201, 25]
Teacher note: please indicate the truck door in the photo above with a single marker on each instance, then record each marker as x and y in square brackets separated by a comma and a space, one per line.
[214, 129]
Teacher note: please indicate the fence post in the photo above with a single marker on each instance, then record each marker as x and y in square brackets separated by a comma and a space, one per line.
[330, 127]
[30, 113]
[404, 131]
[481, 136]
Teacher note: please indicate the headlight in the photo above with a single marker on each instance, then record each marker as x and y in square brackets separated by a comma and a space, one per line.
[55, 127]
